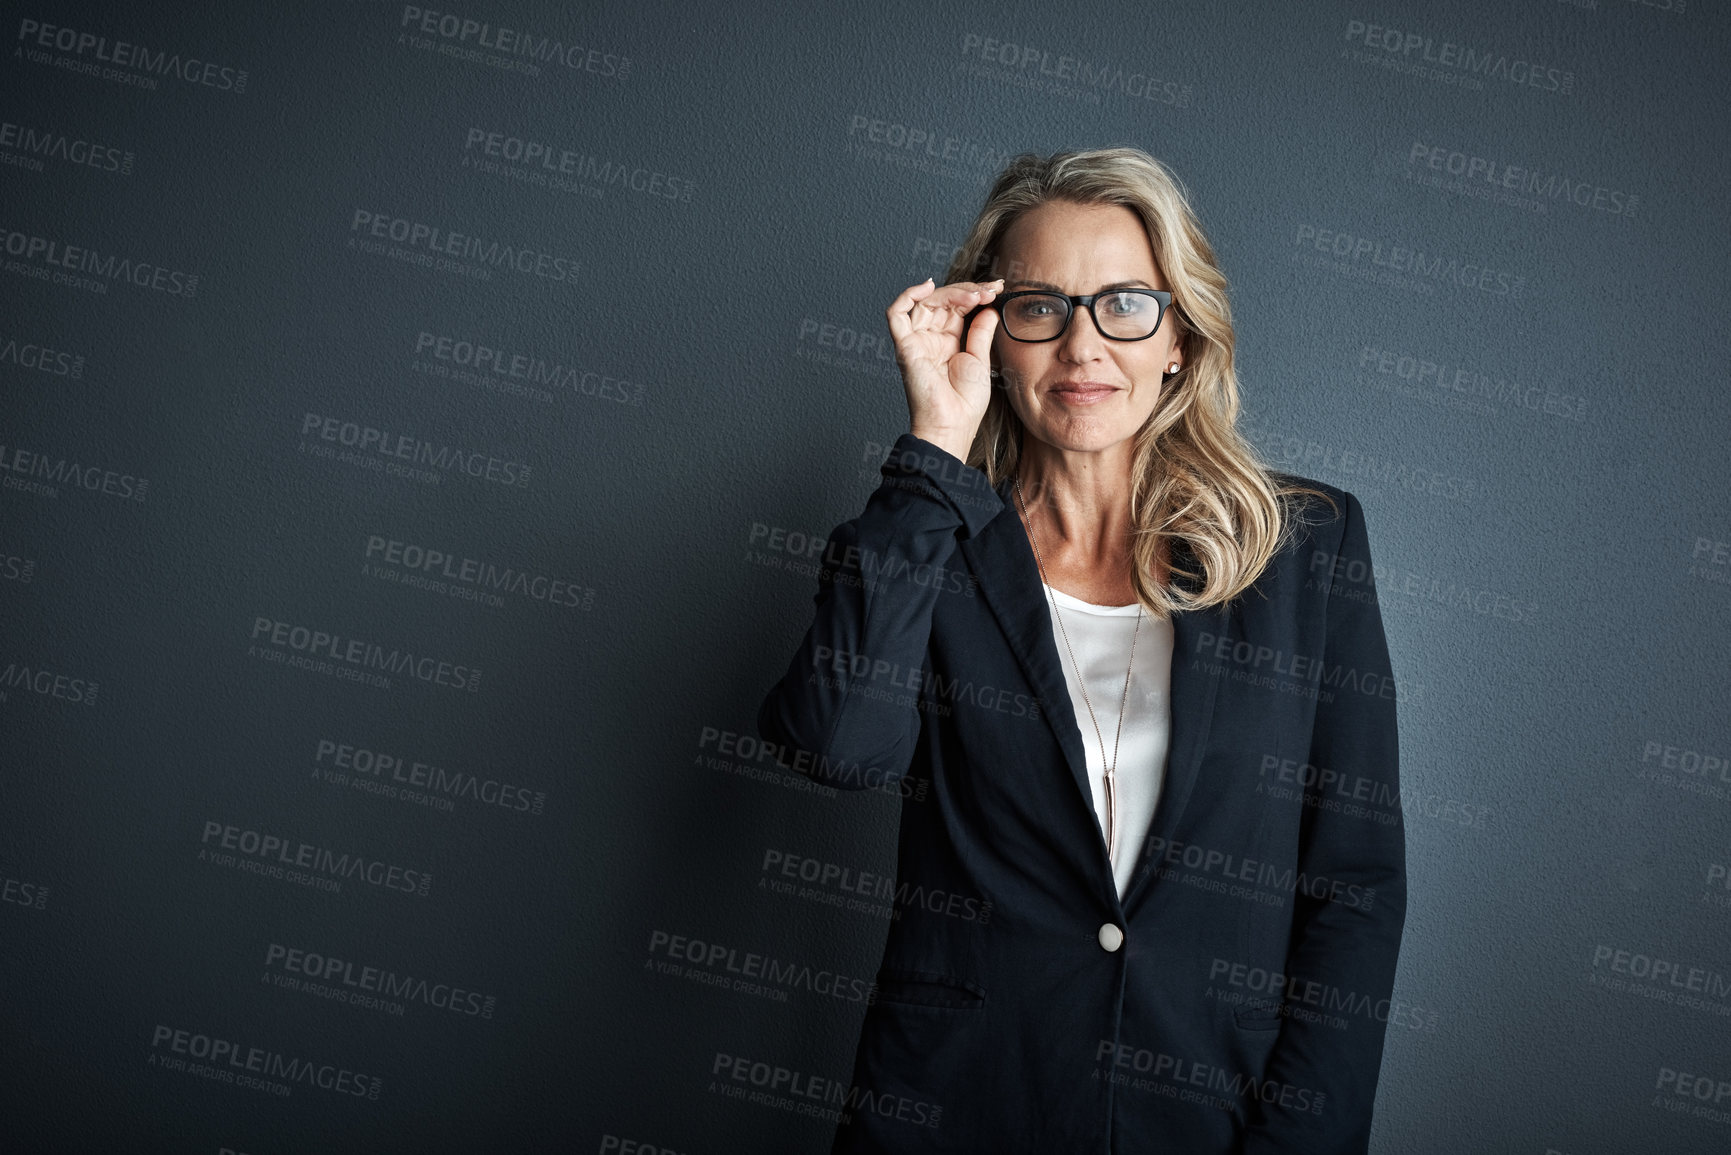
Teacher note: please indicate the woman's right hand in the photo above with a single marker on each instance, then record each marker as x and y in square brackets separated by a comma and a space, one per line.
[947, 385]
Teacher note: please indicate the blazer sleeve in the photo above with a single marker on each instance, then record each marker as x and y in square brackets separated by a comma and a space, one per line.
[1346, 945]
[844, 710]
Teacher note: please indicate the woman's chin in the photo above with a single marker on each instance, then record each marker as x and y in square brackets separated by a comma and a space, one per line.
[1084, 433]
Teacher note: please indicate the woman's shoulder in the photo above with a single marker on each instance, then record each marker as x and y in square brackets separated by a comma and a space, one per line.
[1319, 515]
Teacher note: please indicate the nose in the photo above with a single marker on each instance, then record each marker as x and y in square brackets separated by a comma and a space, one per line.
[1081, 340]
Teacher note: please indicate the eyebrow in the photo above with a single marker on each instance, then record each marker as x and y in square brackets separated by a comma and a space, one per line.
[1135, 283]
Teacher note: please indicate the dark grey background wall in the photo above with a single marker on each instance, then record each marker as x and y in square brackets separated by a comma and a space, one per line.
[414, 440]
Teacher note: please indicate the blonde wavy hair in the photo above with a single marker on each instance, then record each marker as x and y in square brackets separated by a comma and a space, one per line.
[1196, 481]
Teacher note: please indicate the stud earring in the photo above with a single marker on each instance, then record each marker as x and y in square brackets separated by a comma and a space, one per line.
[1172, 368]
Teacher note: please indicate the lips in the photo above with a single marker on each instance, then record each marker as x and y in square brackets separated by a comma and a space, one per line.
[1082, 392]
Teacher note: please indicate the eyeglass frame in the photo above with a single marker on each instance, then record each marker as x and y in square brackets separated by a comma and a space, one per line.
[1162, 297]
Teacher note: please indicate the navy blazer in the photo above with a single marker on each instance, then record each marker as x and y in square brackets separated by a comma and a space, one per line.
[1236, 999]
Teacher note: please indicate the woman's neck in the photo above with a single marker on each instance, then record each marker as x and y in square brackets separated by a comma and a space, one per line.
[1078, 504]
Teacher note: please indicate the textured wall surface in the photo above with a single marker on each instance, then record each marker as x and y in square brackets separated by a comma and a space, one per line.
[417, 425]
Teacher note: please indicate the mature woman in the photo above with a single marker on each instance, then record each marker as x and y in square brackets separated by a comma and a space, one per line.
[1139, 685]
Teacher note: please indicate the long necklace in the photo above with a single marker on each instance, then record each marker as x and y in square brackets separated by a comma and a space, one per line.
[1110, 768]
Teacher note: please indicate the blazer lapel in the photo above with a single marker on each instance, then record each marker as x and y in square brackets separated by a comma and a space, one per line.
[1192, 697]
[1009, 578]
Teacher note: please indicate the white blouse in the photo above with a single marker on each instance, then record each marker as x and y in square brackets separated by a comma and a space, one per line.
[1100, 636]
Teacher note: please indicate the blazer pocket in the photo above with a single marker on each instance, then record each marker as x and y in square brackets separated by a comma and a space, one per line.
[1258, 1015]
[928, 989]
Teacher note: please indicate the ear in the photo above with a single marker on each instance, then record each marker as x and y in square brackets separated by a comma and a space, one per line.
[1183, 344]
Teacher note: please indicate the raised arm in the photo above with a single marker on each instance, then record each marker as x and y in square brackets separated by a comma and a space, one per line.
[844, 707]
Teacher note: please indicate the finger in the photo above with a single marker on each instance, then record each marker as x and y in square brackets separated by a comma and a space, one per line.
[987, 289]
[900, 325]
[941, 296]
[948, 306]
[980, 333]
[982, 290]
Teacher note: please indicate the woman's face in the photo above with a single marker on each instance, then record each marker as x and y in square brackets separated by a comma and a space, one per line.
[1082, 391]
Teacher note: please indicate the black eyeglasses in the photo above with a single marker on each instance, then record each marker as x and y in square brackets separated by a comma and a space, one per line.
[1038, 315]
